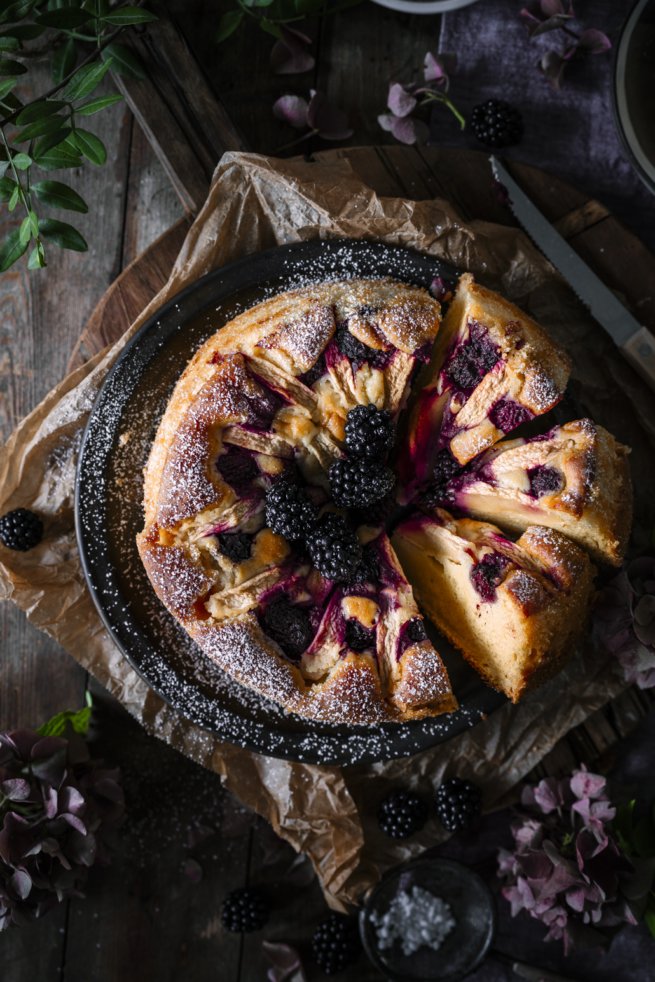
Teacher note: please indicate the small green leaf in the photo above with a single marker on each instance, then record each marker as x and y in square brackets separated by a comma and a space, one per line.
[228, 24]
[25, 231]
[9, 43]
[66, 19]
[38, 110]
[21, 161]
[125, 16]
[41, 127]
[13, 200]
[6, 86]
[51, 140]
[55, 158]
[124, 61]
[37, 257]
[90, 145]
[62, 234]
[63, 61]
[85, 80]
[7, 185]
[59, 195]
[11, 249]
[79, 720]
[270, 27]
[89, 108]
[10, 67]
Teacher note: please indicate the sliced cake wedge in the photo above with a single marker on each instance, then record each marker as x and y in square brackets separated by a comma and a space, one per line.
[575, 478]
[492, 369]
[513, 609]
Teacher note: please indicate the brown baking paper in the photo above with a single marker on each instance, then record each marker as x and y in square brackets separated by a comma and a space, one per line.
[326, 812]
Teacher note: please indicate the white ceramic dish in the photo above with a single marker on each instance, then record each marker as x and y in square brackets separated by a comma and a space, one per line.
[425, 6]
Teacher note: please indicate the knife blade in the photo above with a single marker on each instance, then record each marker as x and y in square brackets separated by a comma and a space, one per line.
[634, 340]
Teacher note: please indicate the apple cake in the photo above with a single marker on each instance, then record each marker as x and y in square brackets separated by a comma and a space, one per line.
[316, 440]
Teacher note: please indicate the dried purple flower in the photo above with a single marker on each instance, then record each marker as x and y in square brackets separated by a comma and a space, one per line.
[405, 99]
[289, 54]
[567, 868]
[543, 16]
[624, 621]
[318, 114]
[56, 809]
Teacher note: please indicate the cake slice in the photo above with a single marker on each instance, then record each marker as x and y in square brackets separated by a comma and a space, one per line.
[574, 478]
[355, 653]
[513, 609]
[493, 368]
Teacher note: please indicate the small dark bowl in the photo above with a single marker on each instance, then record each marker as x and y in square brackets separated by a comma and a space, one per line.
[634, 85]
[473, 909]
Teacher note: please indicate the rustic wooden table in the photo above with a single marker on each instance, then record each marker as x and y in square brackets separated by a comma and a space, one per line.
[154, 914]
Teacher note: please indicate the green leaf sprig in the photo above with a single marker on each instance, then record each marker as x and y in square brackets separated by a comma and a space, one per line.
[49, 133]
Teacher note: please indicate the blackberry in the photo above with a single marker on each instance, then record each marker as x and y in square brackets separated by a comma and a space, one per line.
[368, 570]
[359, 482]
[416, 630]
[289, 512]
[335, 943]
[358, 637]
[472, 360]
[235, 545]
[244, 911]
[289, 626]
[487, 574]
[401, 814]
[369, 431]
[352, 347]
[317, 370]
[544, 480]
[21, 529]
[496, 123]
[334, 548]
[445, 466]
[458, 803]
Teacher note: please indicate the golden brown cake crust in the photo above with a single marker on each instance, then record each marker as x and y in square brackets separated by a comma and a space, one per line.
[259, 360]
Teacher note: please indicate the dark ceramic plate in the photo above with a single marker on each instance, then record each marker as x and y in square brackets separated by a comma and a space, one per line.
[108, 515]
[634, 85]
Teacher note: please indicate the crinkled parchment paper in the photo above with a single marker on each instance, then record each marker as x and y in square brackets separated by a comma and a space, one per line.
[326, 812]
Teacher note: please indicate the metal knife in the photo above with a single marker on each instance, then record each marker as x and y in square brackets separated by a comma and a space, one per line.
[635, 341]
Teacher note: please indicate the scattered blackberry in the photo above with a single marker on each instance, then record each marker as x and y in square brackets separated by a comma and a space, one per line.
[235, 545]
[334, 548]
[496, 123]
[416, 630]
[358, 637]
[359, 482]
[401, 814]
[335, 943]
[21, 529]
[244, 911]
[369, 431]
[289, 512]
[289, 625]
[458, 803]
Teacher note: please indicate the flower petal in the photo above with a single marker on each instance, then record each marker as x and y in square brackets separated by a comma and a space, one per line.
[399, 100]
[291, 109]
[289, 55]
